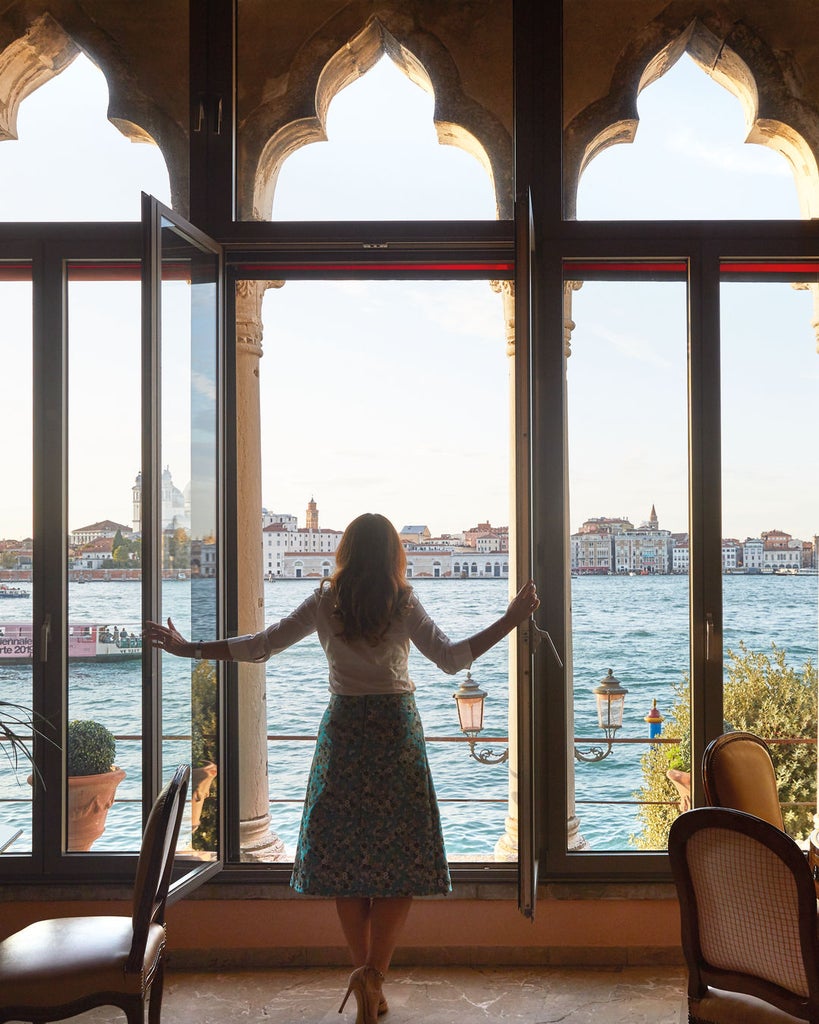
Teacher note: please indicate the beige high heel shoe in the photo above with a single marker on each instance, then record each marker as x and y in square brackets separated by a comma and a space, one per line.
[365, 984]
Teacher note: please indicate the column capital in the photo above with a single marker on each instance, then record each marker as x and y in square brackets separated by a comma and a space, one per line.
[506, 289]
[249, 296]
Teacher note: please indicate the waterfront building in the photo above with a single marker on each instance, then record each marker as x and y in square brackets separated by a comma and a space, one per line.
[753, 554]
[680, 557]
[105, 528]
[731, 554]
[485, 532]
[203, 559]
[94, 555]
[498, 540]
[431, 564]
[297, 566]
[414, 535]
[603, 545]
[286, 519]
[283, 541]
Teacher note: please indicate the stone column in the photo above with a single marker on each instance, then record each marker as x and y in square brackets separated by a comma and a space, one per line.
[574, 840]
[257, 841]
[506, 848]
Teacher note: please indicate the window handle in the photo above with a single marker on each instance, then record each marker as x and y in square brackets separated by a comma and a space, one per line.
[199, 115]
[45, 636]
[709, 634]
[538, 635]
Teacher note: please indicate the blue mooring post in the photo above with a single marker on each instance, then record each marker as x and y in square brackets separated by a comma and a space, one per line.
[655, 721]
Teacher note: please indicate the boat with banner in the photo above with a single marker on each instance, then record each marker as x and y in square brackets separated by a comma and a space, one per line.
[85, 643]
[9, 592]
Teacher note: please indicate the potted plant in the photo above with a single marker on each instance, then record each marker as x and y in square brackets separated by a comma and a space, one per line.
[92, 781]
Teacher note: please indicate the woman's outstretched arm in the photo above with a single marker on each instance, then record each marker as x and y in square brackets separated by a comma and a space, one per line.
[521, 607]
[168, 638]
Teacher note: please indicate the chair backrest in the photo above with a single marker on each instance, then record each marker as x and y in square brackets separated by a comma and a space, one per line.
[155, 862]
[748, 909]
[738, 772]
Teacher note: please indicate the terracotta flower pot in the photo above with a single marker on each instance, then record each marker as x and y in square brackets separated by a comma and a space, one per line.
[89, 797]
[201, 781]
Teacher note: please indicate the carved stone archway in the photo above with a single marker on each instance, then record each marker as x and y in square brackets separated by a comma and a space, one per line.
[726, 50]
[45, 47]
[321, 69]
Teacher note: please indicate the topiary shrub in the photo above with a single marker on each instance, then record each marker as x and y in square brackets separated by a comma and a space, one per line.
[91, 748]
[762, 695]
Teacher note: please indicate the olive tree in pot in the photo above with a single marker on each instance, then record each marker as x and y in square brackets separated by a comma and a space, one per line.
[92, 781]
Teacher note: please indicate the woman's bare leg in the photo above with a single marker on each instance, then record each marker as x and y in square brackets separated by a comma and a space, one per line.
[387, 917]
[354, 915]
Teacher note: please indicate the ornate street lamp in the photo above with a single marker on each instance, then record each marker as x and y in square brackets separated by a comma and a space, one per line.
[469, 698]
[609, 694]
[611, 698]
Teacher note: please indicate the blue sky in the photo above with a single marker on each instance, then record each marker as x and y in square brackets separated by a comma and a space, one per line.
[394, 397]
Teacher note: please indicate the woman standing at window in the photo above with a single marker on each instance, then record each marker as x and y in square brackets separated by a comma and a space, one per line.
[370, 833]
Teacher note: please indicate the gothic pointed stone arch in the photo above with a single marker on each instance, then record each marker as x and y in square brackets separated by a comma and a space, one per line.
[297, 117]
[44, 47]
[762, 79]
[42, 51]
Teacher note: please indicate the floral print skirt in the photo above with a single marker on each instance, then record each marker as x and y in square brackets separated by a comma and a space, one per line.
[370, 825]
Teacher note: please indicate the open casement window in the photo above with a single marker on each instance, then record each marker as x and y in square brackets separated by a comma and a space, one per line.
[111, 404]
[182, 528]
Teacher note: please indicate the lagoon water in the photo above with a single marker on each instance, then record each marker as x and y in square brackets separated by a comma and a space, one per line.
[637, 626]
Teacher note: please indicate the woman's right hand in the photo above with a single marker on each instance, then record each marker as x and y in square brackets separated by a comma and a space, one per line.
[523, 604]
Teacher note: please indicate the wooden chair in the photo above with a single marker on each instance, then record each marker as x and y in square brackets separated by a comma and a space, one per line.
[57, 968]
[738, 772]
[749, 917]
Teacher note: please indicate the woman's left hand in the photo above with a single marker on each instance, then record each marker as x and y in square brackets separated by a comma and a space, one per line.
[524, 603]
[167, 638]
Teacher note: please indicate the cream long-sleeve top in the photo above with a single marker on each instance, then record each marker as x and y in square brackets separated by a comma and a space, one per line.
[358, 668]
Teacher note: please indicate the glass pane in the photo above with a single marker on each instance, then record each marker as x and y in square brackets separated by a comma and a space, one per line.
[16, 529]
[189, 521]
[628, 458]
[104, 558]
[770, 493]
[406, 413]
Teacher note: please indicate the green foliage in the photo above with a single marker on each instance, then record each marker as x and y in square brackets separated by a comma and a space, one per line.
[127, 551]
[16, 721]
[204, 747]
[762, 695]
[176, 549]
[91, 748]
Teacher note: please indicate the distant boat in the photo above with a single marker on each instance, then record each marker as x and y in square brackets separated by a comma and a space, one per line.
[6, 591]
[85, 643]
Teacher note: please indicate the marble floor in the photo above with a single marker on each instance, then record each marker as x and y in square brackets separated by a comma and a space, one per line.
[632, 995]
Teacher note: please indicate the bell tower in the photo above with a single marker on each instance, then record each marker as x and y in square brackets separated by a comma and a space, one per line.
[311, 520]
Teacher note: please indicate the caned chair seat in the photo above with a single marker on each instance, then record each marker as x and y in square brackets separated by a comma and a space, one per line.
[57, 968]
[749, 919]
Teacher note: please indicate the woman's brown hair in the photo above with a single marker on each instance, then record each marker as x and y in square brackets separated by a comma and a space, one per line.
[369, 584]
